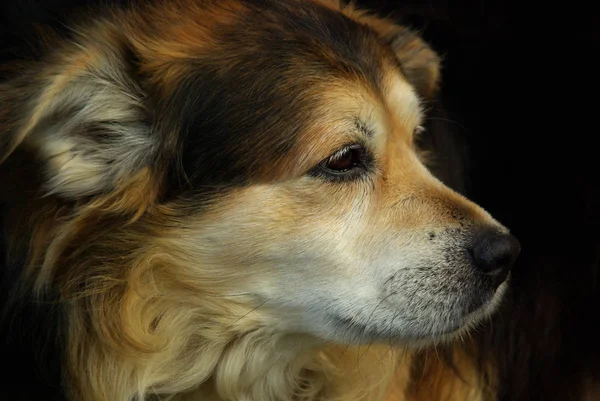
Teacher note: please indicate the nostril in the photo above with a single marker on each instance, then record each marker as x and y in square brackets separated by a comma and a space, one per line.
[494, 253]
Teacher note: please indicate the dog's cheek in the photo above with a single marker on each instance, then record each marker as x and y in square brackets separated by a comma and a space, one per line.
[279, 232]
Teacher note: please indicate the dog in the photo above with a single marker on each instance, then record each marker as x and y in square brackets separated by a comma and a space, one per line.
[225, 201]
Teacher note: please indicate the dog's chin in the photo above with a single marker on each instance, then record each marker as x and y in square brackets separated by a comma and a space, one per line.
[428, 332]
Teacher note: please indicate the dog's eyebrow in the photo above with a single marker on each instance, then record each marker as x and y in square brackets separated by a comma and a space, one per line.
[363, 128]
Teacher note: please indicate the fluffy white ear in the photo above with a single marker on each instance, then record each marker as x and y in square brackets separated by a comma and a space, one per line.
[83, 114]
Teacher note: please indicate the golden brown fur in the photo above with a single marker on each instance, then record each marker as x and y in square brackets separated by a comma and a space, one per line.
[155, 285]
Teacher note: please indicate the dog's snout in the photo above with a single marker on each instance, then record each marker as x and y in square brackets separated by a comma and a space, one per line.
[494, 253]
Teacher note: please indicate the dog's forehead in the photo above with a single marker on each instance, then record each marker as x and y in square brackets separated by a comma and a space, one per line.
[247, 102]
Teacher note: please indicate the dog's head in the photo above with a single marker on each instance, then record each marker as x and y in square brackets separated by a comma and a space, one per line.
[267, 151]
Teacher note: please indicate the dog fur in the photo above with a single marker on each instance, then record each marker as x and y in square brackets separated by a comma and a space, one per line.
[163, 188]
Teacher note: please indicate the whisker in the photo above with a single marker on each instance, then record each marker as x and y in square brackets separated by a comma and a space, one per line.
[249, 312]
[448, 121]
[359, 356]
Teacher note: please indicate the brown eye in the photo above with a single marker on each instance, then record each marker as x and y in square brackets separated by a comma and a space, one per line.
[350, 162]
[344, 160]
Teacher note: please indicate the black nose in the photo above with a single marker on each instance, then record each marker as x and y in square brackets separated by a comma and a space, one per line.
[494, 254]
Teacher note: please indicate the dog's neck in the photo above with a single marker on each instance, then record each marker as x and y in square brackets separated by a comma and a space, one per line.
[275, 367]
[265, 366]
[244, 361]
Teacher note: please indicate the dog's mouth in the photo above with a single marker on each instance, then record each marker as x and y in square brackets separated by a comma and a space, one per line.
[448, 327]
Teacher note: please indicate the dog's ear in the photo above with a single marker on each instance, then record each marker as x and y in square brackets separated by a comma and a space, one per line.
[83, 114]
[419, 62]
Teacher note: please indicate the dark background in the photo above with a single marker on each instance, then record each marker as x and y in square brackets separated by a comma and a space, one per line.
[520, 90]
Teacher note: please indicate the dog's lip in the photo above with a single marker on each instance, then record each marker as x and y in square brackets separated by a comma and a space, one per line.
[471, 313]
[362, 331]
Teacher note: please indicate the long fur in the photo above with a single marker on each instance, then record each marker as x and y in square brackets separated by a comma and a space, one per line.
[109, 225]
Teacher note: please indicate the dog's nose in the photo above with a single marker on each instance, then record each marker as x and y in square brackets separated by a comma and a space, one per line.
[494, 254]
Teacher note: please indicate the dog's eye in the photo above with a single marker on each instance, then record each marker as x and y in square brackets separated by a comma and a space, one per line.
[343, 163]
[344, 159]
